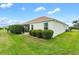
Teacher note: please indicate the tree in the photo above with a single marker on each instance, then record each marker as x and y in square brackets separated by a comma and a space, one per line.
[75, 21]
[76, 24]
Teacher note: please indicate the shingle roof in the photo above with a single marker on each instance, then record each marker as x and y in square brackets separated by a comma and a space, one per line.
[42, 19]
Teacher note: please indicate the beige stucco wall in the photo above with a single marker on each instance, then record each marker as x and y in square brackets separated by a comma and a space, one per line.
[58, 28]
[38, 26]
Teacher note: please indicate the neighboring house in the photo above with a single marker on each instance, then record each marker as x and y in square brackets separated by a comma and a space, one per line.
[45, 23]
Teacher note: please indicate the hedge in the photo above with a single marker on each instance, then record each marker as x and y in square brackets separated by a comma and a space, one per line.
[46, 34]
[34, 32]
[16, 29]
[39, 33]
[30, 32]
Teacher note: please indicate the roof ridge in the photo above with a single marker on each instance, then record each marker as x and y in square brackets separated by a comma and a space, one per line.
[43, 18]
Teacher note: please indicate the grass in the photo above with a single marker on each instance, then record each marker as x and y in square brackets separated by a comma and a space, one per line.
[66, 43]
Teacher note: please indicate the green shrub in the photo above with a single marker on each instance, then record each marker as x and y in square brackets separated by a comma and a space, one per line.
[47, 34]
[1, 28]
[34, 32]
[7, 28]
[30, 32]
[16, 29]
[39, 33]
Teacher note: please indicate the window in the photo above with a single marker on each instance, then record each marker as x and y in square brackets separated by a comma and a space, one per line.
[31, 27]
[45, 26]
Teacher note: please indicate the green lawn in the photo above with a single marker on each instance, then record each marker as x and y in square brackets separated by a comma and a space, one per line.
[66, 43]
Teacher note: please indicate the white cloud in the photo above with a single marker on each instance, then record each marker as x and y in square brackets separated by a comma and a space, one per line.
[75, 17]
[54, 11]
[4, 21]
[6, 5]
[23, 8]
[40, 9]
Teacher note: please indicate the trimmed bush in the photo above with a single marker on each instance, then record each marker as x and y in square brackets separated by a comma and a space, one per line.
[16, 29]
[47, 34]
[39, 33]
[30, 32]
[34, 32]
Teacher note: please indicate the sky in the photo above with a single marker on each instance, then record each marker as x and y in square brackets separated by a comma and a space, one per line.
[15, 13]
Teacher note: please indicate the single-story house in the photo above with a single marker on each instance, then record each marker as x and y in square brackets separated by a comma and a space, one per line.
[45, 23]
